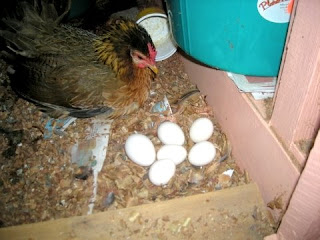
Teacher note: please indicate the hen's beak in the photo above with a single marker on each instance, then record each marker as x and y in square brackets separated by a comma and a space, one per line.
[154, 68]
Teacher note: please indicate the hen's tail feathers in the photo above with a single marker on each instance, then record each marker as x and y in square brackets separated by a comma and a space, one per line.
[40, 11]
[60, 112]
[21, 30]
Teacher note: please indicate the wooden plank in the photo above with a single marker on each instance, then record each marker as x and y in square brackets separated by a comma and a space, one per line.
[296, 110]
[254, 145]
[302, 219]
[310, 117]
[309, 121]
[236, 213]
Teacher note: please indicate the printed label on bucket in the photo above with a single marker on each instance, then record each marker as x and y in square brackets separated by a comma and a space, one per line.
[274, 10]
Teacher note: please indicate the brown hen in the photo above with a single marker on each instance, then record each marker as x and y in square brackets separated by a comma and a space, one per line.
[68, 71]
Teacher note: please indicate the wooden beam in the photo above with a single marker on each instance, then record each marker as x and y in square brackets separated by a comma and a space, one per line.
[236, 213]
[302, 219]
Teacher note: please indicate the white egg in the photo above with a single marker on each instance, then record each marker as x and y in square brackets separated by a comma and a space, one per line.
[170, 133]
[201, 130]
[140, 149]
[162, 171]
[202, 153]
[175, 153]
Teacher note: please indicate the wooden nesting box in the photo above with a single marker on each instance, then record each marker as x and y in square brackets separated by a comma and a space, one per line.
[271, 147]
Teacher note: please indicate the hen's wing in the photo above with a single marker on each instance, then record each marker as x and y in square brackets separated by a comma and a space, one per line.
[61, 69]
[72, 82]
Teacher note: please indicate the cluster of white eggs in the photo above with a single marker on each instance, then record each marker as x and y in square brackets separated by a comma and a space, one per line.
[141, 150]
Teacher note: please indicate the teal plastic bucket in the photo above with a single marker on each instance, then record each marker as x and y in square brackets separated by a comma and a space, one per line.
[240, 36]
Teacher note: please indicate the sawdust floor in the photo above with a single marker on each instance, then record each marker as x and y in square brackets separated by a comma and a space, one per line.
[38, 182]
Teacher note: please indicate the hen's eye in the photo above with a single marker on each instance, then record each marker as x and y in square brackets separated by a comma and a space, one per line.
[140, 58]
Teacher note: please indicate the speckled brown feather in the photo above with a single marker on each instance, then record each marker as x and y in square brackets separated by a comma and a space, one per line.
[69, 71]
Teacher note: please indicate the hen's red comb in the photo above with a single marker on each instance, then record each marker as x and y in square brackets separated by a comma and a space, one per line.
[152, 52]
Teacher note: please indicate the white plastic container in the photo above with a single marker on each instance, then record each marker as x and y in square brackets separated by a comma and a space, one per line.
[156, 24]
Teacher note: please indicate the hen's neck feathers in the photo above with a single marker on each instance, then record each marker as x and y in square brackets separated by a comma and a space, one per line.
[120, 62]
